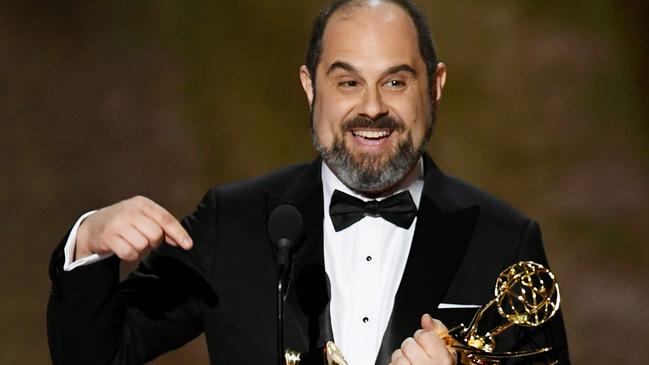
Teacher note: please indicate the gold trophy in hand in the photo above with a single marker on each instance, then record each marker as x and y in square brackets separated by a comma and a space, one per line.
[526, 294]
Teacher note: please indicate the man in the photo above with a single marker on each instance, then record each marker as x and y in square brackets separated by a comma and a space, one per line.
[426, 243]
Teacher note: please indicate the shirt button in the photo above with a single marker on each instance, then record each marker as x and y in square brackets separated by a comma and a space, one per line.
[368, 258]
[365, 319]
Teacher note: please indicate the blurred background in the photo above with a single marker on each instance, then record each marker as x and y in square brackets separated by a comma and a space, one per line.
[546, 106]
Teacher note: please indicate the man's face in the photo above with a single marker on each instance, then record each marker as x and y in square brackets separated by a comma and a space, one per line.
[371, 110]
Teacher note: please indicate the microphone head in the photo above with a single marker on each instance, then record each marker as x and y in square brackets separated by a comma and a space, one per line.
[285, 226]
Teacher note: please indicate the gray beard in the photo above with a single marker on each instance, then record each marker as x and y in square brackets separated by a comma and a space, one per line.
[370, 173]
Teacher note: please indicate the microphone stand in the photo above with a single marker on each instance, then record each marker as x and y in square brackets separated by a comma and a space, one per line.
[283, 262]
[284, 229]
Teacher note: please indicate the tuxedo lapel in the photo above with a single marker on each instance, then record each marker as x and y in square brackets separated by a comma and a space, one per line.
[442, 234]
[308, 324]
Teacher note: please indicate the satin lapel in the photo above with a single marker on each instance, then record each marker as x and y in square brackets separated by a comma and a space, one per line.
[308, 324]
[440, 241]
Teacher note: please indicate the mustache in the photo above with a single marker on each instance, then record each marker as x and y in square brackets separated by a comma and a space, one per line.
[383, 122]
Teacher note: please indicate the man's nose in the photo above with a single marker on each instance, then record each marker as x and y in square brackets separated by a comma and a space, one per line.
[372, 105]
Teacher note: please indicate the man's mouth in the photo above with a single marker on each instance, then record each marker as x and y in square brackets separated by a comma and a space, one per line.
[372, 134]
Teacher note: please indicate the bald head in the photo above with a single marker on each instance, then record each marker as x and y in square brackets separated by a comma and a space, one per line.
[342, 8]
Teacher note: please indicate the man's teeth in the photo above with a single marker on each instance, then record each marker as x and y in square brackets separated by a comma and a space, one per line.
[371, 134]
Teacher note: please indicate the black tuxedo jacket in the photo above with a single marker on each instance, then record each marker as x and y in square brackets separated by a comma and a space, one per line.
[225, 285]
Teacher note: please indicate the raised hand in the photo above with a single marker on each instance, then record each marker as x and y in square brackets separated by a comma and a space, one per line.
[129, 229]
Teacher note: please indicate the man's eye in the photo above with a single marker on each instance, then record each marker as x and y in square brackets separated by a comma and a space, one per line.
[348, 84]
[395, 84]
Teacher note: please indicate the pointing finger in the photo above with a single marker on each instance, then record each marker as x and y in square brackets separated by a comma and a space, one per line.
[173, 230]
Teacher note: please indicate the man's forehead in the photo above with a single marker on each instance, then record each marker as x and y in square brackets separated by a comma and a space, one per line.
[375, 31]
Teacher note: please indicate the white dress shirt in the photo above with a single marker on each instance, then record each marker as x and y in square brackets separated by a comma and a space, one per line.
[364, 262]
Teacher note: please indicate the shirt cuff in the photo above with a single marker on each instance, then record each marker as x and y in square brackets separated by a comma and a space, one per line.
[70, 245]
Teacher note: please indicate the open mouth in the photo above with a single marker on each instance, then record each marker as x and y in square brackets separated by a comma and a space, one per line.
[372, 134]
[371, 138]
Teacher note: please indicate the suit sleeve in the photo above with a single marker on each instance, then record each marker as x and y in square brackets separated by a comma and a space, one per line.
[552, 333]
[93, 318]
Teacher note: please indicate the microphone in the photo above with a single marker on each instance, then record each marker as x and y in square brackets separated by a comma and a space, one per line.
[285, 227]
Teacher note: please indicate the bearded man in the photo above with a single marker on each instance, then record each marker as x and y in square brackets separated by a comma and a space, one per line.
[423, 243]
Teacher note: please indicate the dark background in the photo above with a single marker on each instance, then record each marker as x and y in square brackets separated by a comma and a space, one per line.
[546, 105]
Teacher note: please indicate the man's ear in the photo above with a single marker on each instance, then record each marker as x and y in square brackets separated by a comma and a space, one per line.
[438, 82]
[307, 84]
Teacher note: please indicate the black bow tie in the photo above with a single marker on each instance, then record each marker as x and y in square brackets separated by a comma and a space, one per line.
[346, 210]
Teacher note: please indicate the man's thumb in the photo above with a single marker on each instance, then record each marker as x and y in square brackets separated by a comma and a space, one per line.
[427, 322]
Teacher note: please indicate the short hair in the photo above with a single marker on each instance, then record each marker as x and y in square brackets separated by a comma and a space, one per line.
[424, 36]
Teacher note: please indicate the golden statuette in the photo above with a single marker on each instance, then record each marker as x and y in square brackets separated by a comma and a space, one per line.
[526, 294]
[291, 357]
[331, 355]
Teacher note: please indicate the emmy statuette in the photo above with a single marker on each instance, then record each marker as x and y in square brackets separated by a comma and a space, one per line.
[526, 294]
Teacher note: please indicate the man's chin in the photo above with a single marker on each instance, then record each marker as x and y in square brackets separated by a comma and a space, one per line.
[377, 157]
[371, 159]
[374, 171]
[356, 146]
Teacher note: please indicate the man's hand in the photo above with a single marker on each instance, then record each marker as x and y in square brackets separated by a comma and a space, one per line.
[426, 347]
[129, 229]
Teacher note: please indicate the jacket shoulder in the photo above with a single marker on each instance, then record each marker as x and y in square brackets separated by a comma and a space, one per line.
[273, 181]
[466, 195]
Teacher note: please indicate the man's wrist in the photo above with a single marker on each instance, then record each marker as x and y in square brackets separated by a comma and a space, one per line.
[81, 247]
[70, 248]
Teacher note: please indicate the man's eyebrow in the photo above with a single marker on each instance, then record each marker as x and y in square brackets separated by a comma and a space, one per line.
[402, 67]
[392, 70]
[341, 65]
